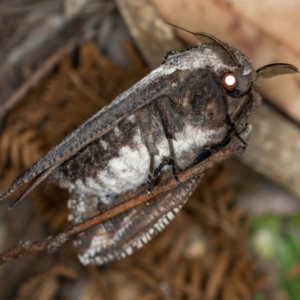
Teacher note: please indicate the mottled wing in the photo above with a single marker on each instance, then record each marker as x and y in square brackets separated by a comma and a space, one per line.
[121, 235]
[102, 122]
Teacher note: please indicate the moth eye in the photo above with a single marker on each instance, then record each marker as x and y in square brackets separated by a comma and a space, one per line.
[229, 81]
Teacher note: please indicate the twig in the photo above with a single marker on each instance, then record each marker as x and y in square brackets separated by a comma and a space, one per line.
[51, 244]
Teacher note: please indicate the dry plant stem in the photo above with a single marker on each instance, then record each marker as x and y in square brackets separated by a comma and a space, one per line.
[53, 243]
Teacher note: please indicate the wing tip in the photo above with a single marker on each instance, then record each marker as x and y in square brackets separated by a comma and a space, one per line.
[19, 181]
[7, 192]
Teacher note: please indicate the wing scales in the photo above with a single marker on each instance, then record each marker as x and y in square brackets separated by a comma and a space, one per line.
[123, 234]
[95, 127]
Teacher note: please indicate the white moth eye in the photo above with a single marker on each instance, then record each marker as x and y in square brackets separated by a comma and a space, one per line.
[229, 81]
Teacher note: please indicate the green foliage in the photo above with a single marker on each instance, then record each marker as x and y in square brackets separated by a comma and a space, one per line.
[277, 240]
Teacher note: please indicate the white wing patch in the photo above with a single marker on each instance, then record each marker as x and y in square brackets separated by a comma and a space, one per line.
[92, 255]
[124, 234]
[130, 168]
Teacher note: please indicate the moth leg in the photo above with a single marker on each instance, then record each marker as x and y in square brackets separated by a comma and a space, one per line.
[233, 129]
[207, 152]
[169, 117]
[153, 175]
[171, 123]
[149, 127]
[173, 160]
[157, 120]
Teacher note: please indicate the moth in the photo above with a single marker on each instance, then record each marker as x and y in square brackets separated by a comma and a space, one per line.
[181, 113]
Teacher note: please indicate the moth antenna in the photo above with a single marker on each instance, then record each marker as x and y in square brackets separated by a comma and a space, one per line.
[211, 38]
[276, 69]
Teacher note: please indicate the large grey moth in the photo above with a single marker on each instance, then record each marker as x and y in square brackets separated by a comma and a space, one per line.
[180, 114]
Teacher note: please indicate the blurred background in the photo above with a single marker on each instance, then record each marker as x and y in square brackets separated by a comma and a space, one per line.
[238, 236]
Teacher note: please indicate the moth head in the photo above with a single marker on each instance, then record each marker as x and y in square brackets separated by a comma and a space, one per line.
[238, 83]
[238, 80]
